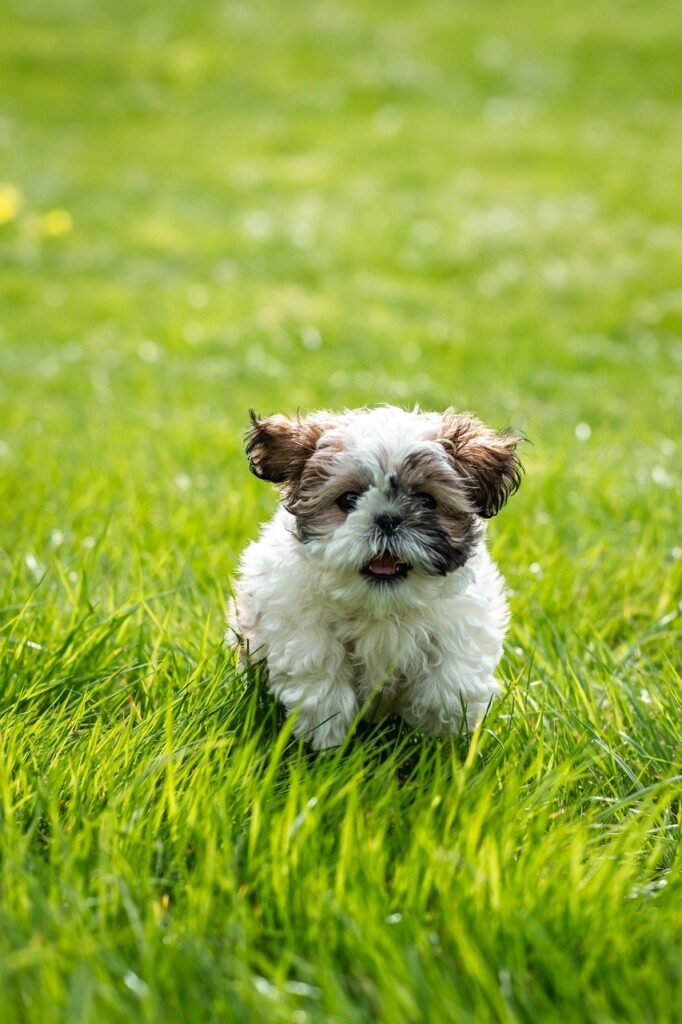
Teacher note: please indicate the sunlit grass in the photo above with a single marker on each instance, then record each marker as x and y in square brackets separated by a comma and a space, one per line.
[209, 207]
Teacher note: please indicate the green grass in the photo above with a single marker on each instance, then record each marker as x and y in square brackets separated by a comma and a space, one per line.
[213, 206]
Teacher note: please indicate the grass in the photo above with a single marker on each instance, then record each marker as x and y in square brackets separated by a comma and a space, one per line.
[207, 207]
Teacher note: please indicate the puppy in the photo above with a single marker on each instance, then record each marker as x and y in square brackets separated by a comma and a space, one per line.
[372, 587]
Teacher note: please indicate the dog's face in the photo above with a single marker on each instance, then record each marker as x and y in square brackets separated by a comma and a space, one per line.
[383, 495]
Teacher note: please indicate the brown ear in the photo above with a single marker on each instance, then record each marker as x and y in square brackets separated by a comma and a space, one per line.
[278, 448]
[486, 459]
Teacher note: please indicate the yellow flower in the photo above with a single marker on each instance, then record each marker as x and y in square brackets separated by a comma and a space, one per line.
[10, 202]
[57, 223]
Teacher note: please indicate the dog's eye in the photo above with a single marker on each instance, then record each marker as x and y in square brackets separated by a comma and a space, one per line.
[347, 501]
[426, 500]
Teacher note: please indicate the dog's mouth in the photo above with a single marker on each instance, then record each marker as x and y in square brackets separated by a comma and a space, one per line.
[386, 568]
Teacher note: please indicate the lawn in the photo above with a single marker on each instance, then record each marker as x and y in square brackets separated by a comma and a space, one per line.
[210, 206]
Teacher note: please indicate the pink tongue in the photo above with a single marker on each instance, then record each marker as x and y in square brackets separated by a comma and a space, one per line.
[384, 565]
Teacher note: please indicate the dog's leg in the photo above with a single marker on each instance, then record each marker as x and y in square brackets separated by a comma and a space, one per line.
[325, 709]
[439, 704]
[312, 677]
[325, 706]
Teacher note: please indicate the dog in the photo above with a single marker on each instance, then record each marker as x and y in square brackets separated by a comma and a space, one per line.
[372, 590]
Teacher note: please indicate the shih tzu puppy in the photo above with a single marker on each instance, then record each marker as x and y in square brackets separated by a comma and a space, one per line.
[372, 587]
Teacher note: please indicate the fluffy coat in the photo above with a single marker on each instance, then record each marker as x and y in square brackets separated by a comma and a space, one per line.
[372, 587]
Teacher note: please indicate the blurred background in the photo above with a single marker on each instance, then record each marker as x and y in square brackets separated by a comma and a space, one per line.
[206, 207]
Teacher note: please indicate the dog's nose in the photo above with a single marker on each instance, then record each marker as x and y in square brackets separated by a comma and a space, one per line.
[388, 523]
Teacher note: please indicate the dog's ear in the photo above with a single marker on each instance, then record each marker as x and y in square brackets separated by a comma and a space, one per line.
[278, 448]
[485, 458]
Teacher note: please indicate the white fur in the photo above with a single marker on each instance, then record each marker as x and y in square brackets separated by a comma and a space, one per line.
[425, 648]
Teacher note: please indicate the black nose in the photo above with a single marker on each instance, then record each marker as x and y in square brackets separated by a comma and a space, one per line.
[387, 523]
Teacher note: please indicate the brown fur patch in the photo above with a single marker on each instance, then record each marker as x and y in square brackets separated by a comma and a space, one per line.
[452, 528]
[485, 458]
[278, 448]
[424, 470]
[312, 499]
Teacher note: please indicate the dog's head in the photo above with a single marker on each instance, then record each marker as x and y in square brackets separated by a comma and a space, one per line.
[384, 494]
